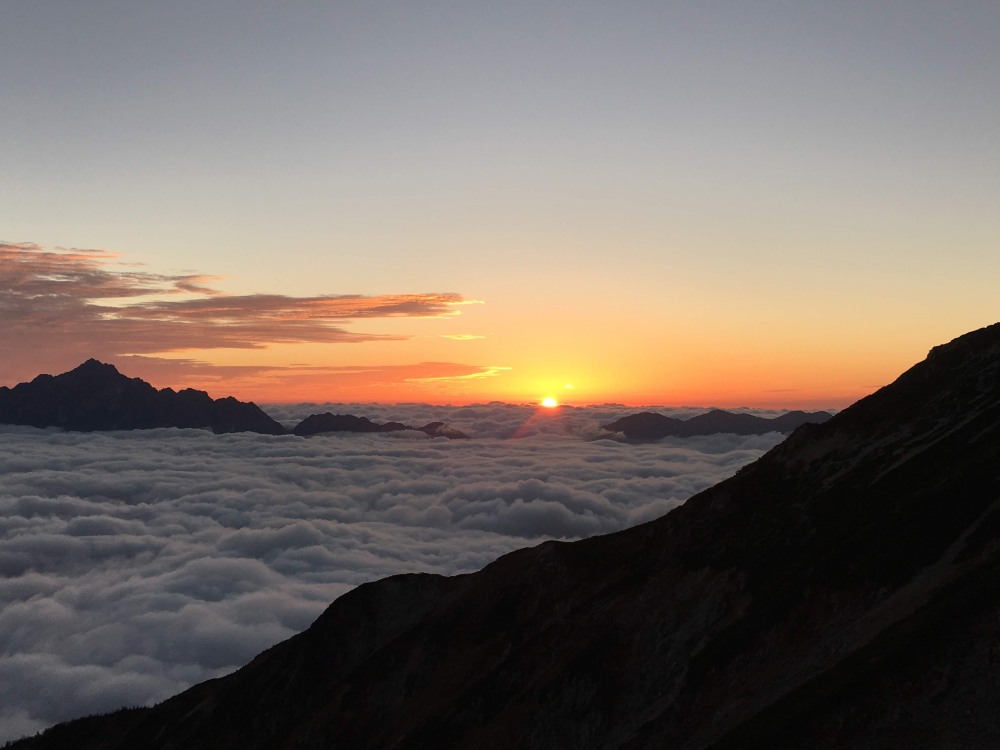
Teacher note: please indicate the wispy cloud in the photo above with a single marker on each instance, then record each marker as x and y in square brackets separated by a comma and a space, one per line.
[422, 380]
[481, 372]
[58, 306]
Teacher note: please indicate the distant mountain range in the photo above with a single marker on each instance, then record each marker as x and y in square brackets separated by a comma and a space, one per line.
[649, 425]
[843, 591]
[95, 396]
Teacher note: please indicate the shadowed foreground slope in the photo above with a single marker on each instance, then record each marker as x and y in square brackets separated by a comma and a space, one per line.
[843, 591]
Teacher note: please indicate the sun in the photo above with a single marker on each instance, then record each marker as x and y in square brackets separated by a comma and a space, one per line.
[549, 402]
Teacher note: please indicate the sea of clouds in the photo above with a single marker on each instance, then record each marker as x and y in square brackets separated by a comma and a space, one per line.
[135, 564]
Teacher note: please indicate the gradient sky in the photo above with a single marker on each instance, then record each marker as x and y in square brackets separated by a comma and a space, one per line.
[770, 204]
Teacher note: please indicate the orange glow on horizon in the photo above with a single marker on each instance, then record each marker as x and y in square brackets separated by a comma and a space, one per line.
[776, 379]
[730, 348]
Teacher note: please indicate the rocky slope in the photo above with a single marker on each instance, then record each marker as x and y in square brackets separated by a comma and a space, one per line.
[95, 396]
[841, 592]
[649, 425]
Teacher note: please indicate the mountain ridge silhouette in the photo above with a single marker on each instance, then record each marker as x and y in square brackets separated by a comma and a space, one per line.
[96, 396]
[649, 425]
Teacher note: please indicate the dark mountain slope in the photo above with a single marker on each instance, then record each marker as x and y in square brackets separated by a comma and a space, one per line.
[841, 592]
[317, 424]
[95, 396]
[648, 425]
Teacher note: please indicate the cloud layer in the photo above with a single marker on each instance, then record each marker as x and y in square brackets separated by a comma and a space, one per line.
[135, 564]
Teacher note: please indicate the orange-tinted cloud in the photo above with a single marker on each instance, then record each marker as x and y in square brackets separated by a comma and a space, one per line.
[421, 381]
[59, 307]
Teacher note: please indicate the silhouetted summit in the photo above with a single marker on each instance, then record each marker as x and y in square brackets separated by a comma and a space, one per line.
[440, 429]
[95, 396]
[321, 423]
[649, 425]
[843, 591]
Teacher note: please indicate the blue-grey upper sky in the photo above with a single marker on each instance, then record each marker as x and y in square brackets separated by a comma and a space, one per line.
[538, 156]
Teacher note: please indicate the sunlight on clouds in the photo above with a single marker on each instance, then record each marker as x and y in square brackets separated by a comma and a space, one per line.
[486, 372]
[458, 302]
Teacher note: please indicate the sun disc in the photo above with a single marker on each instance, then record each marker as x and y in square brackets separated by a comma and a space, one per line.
[549, 402]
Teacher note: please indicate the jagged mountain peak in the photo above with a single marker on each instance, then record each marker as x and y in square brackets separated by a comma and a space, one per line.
[96, 396]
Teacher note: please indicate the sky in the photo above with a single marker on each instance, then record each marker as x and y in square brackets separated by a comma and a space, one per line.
[768, 204]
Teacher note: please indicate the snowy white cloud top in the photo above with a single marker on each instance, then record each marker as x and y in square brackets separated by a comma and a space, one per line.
[133, 565]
